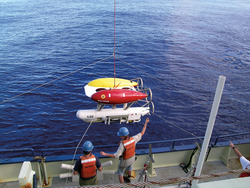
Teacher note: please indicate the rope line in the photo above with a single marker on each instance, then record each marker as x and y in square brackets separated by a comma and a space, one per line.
[55, 80]
[167, 181]
[72, 162]
[164, 83]
[167, 85]
[167, 120]
[179, 127]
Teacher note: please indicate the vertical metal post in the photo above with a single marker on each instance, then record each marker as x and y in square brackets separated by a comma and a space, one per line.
[45, 173]
[173, 145]
[150, 150]
[210, 127]
[40, 174]
[151, 163]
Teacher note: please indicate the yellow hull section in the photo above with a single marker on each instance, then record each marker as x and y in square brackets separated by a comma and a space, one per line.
[109, 83]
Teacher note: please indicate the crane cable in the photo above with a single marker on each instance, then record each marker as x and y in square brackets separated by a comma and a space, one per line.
[114, 38]
[167, 120]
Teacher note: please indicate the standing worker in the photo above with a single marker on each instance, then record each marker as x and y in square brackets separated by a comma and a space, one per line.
[243, 161]
[127, 150]
[86, 166]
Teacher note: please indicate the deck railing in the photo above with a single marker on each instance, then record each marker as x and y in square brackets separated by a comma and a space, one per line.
[115, 145]
[19, 150]
[230, 135]
[172, 147]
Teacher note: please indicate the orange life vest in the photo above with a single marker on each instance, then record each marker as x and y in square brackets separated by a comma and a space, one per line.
[88, 166]
[245, 174]
[129, 146]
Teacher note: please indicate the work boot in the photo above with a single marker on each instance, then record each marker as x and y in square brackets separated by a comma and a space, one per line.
[127, 179]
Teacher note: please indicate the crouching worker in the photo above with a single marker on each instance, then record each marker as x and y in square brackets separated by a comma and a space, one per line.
[86, 166]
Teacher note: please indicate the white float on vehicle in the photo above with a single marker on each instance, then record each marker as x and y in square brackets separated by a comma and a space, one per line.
[132, 114]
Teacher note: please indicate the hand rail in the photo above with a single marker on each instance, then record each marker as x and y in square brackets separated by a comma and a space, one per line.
[73, 148]
[167, 141]
[56, 149]
[116, 145]
[224, 136]
[19, 149]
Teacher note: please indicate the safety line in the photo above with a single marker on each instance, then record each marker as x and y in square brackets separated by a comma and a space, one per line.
[164, 82]
[72, 162]
[55, 80]
[173, 124]
[172, 88]
[178, 127]
[203, 103]
[164, 118]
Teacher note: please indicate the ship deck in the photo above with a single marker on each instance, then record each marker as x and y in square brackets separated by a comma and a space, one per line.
[161, 174]
[166, 166]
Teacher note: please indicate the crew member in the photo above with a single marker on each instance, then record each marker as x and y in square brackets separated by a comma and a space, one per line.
[127, 151]
[244, 162]
[86, 166]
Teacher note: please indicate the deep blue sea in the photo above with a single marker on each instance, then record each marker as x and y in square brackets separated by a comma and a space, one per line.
[49, 50]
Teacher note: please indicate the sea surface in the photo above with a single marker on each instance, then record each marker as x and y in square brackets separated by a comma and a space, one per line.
[49, 50]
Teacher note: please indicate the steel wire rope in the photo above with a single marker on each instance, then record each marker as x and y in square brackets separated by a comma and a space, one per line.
[77, 148]
[178, 127]
[170, 86]
[175, 125]
[163, 82]
[114, 39]
[55, 79]
[192, 135]
[164, 118]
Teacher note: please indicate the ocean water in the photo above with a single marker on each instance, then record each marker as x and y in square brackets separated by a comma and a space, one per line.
[51, 49]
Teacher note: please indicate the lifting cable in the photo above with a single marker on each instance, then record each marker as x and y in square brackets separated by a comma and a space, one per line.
[114, 38]
[203, 103]
[182, 93]
[163, 82]
[179, 127]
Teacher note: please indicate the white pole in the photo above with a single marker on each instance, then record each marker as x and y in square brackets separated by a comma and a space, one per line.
[210, 127]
